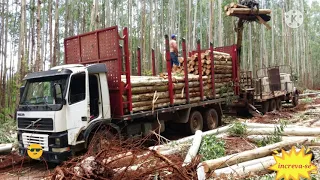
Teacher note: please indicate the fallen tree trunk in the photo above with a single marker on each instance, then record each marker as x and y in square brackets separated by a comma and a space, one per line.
[248, 167]
[172, 146]
[258, 125]
[248, 155]
[193, 151]
[232, 169]
[5, 148]
[312, 141]
[287, 131]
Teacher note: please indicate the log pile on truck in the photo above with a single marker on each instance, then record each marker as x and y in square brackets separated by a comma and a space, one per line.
[222, 71]
[151, 92]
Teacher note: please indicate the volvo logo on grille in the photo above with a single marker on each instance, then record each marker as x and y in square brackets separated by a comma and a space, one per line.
[33, 123]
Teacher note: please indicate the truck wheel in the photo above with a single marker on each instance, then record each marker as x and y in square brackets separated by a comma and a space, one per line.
[273, 105]
[195, 122]
[211, 119]
[295, 100]
[279, 104]
[264, 107]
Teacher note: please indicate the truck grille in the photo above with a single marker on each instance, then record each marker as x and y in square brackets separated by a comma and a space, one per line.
[43, 124]
[41, 139]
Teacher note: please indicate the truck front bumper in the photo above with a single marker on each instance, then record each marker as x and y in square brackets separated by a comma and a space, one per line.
[53, 157]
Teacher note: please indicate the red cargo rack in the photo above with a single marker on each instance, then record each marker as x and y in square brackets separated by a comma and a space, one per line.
[104, 46]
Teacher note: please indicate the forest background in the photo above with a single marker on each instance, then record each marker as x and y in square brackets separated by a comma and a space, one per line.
[32, 34]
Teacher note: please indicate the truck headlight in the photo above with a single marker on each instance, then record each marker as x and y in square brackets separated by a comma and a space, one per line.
[57, 141]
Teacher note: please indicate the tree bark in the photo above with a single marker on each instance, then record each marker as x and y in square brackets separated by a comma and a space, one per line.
[38, 60]
[248, 155]
[50, 33]
[56, 35]
[66, 24]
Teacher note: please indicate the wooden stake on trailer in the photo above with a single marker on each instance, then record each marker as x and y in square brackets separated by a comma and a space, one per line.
[200, 69]
[153, 63]
[185, 64]
[212, 70]
[169, 70]
[139, 61]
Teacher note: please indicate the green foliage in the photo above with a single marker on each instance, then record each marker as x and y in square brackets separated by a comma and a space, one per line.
[237, 129]
[306, 100]
[211, 148]
[7, 128]
[275, 137]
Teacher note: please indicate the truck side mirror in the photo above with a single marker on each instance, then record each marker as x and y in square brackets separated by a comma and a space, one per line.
[21, 91]
[58, 94]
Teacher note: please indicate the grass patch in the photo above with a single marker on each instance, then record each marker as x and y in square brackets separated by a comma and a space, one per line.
[211, 148]
[237, 129]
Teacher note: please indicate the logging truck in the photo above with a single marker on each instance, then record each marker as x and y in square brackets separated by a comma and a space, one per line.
[272, 87]
[62, 108]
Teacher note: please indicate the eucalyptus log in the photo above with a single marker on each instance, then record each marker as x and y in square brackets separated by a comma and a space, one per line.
[161, 105]
[235, 5]
[147, 103]
[183, 96]
[149, 89]
[311, 139]
[248, 155]
[193, 150]
[291, 131]
[175, 144]
[149, 96]
[249, 11]
[145, 108]
[191, 90]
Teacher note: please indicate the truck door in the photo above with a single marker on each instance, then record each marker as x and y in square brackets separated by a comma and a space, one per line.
[78, 110]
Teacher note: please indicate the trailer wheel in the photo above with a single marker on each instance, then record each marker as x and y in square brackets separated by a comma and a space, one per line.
[264, 107]
[195, 122]
[211, 119]
[273, 105]
[279, 104]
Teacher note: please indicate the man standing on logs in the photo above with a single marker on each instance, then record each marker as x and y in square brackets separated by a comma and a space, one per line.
[174, 51]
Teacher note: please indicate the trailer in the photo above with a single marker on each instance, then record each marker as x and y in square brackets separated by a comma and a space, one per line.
[272, 87]
[62, 108]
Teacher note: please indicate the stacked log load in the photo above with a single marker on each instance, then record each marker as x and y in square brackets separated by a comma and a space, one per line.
[151, 92]
[222, 70]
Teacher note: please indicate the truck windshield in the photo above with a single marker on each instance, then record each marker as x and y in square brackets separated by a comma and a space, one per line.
[42, 91]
